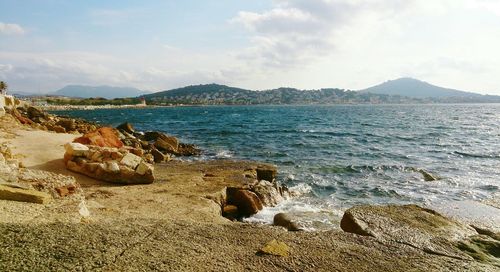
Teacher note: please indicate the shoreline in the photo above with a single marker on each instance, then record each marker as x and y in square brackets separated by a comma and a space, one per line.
[178, 215]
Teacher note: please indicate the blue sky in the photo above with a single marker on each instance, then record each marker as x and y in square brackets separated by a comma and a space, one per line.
[260, 44]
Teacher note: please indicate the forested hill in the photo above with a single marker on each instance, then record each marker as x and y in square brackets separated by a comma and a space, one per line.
[214, 94]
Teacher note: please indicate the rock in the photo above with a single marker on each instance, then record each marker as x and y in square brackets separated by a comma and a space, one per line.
[144, 168]
[152, 135]
[66, 190]
[268, 193]
[158, 156]
[427, 176]
[409, 224]
[266, 172]
[104, 137]
[76, 149]
[127, 127]
[248, 202]
[187, 150]
[284, 220]
[68, 124]
[56, 128]
[23, 195]
[23, 120]
[112, 166]
[131, 160]
[275, 248]
[166, 143]
[36, 113]
[230, 212]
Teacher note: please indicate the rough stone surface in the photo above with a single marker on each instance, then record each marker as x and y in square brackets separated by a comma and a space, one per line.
[131, 160]
[266, 172]
[409, 224]
[23, 195]
[268, 193]
[104, 137]
[127, 127]
[76, 149]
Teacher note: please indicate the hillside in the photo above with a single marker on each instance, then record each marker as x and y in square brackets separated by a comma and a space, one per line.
[108, 92]
[214, 94]
[415, 88]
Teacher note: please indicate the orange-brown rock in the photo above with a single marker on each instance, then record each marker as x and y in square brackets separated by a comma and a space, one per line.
[248, 202]
[103, 137]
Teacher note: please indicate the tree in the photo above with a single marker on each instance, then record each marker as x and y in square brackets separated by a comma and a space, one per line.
[3, 87]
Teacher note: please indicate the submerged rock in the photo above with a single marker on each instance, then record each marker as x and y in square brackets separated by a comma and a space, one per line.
[427, 176]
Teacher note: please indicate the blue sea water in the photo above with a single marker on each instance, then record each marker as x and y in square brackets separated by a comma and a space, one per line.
[343, 155]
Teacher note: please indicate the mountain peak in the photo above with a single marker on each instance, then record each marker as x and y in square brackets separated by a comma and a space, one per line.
[411, 87]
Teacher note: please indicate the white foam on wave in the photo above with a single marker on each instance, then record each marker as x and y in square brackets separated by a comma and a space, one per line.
[223, 154]
[310, 217]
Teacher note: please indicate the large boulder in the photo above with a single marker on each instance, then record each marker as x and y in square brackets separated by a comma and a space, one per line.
[266, 172]
[268, 193]
[108, 164]
[248, 202]
[411, 225]
[103, 137]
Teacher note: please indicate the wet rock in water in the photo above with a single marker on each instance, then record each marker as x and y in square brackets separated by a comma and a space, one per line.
[412, 225]
[268, 193]
[427, 176]
[248, 202]
[103, 137]
[284, 220]
[23, 195]
[266, 172]
[127, 127]
[275, 248]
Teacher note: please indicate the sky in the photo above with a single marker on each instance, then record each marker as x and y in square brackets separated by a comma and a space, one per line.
[157, 45]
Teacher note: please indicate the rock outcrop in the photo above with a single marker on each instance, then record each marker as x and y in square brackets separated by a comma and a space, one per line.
[423, 229]
[103, 137]
[111, 164]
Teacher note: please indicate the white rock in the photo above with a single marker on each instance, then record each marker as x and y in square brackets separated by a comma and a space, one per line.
[76, 149]
[144, 168]
[131, 160]
[112, 166]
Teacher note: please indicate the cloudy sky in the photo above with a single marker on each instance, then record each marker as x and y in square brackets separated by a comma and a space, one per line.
[259, 44]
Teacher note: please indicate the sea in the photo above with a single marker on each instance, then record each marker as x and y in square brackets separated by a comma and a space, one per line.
[339, 156]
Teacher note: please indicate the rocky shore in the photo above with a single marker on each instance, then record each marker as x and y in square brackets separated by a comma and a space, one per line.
[70, 206]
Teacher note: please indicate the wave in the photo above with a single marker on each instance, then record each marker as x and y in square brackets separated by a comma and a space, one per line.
[481, 156]
[362, 168]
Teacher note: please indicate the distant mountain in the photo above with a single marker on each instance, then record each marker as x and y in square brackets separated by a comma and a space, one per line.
[415, 88]
[214, 94]
[108, 92]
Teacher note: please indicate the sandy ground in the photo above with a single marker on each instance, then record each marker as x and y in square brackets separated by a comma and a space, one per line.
[172, 225]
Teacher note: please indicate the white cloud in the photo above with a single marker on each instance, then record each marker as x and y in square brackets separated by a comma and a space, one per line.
[11, 29]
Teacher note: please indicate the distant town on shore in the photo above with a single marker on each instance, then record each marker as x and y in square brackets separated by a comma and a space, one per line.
[399, 91]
